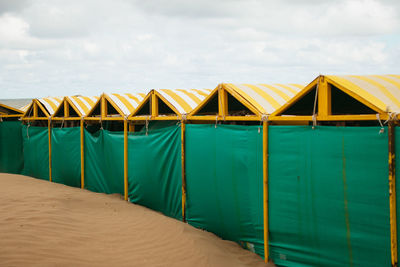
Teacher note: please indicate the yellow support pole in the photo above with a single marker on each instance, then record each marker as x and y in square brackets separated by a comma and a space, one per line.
[49, 131]
[82, 155]
[392, 194]
[126, 159]
[183, 131]
[265, 188]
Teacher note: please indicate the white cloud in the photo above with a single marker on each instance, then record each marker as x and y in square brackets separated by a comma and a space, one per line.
[87, 47]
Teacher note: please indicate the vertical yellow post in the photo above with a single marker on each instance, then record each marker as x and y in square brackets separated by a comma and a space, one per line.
[265, 188]
[82, 155]
[126, 159]
[49, 131]
[154, 104]
[223, 102]
[183, 163]
[324, 98]
[392, 194]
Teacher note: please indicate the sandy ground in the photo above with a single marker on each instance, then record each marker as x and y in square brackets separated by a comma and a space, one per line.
[48, 224]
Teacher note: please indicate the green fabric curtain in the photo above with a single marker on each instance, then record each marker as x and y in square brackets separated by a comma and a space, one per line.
[104, 161]
[11, 154]
[154, 170]
[224, 182]
[66, 156]
[328, 196]
[36, 151]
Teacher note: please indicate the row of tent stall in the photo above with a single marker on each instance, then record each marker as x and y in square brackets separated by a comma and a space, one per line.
[301, 175]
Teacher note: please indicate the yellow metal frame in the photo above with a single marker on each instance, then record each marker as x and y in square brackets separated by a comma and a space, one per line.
[265, 189]
[8, 109]
[221, 92]
[35, 106]
[152, 98]
[392, 195]
[183, 163]
[323, 83]
[104, 116]
[66, 104]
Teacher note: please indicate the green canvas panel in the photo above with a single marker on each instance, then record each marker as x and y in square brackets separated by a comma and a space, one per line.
[104, 162]
[328, 196]
[224, 182]
[36, 151]
[66, 156]
[397, 172]
[154, 170]
[11, 153]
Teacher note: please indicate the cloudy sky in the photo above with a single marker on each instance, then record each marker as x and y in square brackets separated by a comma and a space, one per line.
[51, 47]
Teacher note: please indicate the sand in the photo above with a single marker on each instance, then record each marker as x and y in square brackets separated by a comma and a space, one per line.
[49, 224]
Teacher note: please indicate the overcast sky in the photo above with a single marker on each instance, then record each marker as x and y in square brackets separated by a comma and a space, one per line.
[50, 47]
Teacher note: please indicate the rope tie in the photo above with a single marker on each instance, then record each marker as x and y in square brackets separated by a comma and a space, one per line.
[216, 121]
[264, 117]
[62, 123]
[101, 123]
[314, 116]
[382, 130]
[147, 125]
[27, 129]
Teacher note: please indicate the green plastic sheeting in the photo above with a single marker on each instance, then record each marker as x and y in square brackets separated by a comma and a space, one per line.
[66, 156]
[36, 151]
[224, 182]
[328, 196]
[154, 170]
[104, 161]
[11, 157]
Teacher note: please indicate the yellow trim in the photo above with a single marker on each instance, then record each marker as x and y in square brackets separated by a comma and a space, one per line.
[12, 109]
[154, 104]
[82, 155]
[49, 139]
[126, 159]
[204, 102]
[141, 105]
[392, 195]
[265, 189]
[90, 113]
[183, 163]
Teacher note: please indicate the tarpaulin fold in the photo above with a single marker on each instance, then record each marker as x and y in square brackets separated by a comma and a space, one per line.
[66, 156]
[36, 151]
[104, 161]
[154, 169]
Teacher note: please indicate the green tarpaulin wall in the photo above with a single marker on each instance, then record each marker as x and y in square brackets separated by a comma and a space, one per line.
[11, 157]
[154, 170]
[328, 196]
[36, 151]
[104, 161]
[224, 182]
[66, 156]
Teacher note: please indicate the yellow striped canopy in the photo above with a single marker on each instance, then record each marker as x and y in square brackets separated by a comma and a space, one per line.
[383, 91]
[184, 100]
[127, 103]
[51, 103]
[266, 98]
[83, 103]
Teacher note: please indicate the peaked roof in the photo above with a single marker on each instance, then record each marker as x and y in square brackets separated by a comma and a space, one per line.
[32, 111]
[383, 91]
[51, 103]
[179, 101]
[80, 104]
[184, 100]
[266, 98]
[6, 111]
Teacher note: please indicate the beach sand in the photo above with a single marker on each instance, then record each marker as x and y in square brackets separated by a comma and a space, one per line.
[49, 224]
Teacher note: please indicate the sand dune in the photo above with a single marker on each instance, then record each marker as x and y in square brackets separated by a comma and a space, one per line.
[48, 224]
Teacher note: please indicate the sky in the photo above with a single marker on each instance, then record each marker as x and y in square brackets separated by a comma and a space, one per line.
[87, 47]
